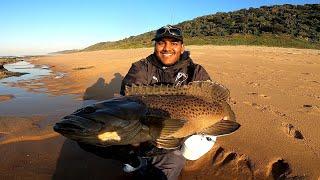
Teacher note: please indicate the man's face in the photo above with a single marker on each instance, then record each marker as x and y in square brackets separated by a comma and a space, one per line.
[168, 50]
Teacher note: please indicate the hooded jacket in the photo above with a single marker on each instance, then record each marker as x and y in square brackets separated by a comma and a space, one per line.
[151, 71]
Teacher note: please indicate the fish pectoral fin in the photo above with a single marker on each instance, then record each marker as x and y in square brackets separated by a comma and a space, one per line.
[170, 126]
[162, 128]
[163, 133]
[222, 127]
[168, 143]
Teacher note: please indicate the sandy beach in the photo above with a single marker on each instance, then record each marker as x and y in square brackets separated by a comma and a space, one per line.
[275, 93]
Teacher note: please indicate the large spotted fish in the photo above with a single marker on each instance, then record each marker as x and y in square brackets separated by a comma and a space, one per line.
[162, 115]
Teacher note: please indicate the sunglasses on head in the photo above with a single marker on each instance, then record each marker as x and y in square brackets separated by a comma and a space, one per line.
[171, 30]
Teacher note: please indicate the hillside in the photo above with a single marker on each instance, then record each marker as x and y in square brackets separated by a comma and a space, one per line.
[64, 51]
[279, 25]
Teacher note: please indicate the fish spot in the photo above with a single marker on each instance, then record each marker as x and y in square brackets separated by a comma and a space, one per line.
[279, 169]
[109, 136]
[291, 131]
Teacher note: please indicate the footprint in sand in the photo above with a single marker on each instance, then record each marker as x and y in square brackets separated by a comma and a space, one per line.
[83, 68]
[252, 93]
[291, 131]
[279, 169]
[229, 157]
[243, 163]
[257, 106]
[250, 103]
[253, 83]
[260, 95]
[305, 73]
[316, 82]
[264, 96]
[309, 108]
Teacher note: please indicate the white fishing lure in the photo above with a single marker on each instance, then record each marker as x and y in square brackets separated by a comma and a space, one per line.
[197, 145]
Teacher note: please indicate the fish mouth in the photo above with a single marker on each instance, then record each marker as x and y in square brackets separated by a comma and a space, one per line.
[67, 128]
[77, 125]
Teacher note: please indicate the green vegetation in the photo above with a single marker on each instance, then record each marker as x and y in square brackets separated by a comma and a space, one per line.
[7, 60]
[280, 25]
[4, 73]
[140, 41]
[65, 51]
[261, 40]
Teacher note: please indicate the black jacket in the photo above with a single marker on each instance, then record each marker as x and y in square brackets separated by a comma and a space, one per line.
[151, 71]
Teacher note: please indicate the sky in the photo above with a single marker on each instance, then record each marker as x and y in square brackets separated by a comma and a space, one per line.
[33, 27]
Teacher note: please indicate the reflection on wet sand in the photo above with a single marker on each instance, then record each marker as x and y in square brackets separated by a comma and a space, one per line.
[6, 97]
[72, 161]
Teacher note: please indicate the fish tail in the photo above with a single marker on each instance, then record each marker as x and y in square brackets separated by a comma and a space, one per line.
[228, 112]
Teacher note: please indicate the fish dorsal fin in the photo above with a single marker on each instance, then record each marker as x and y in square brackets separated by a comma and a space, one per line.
[207, 90]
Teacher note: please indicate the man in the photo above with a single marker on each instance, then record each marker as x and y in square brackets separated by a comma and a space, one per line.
[169, 64]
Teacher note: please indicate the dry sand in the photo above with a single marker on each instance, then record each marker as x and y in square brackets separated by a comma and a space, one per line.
[275, 95]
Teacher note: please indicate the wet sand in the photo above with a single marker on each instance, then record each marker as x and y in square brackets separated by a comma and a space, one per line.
[275, 94]
[5, 74]
[6, 97]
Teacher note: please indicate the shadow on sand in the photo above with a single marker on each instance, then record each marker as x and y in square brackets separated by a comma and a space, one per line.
[74, 162]
[101, 90]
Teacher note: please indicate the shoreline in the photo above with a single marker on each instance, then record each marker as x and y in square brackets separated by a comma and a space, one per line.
[4, 73]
